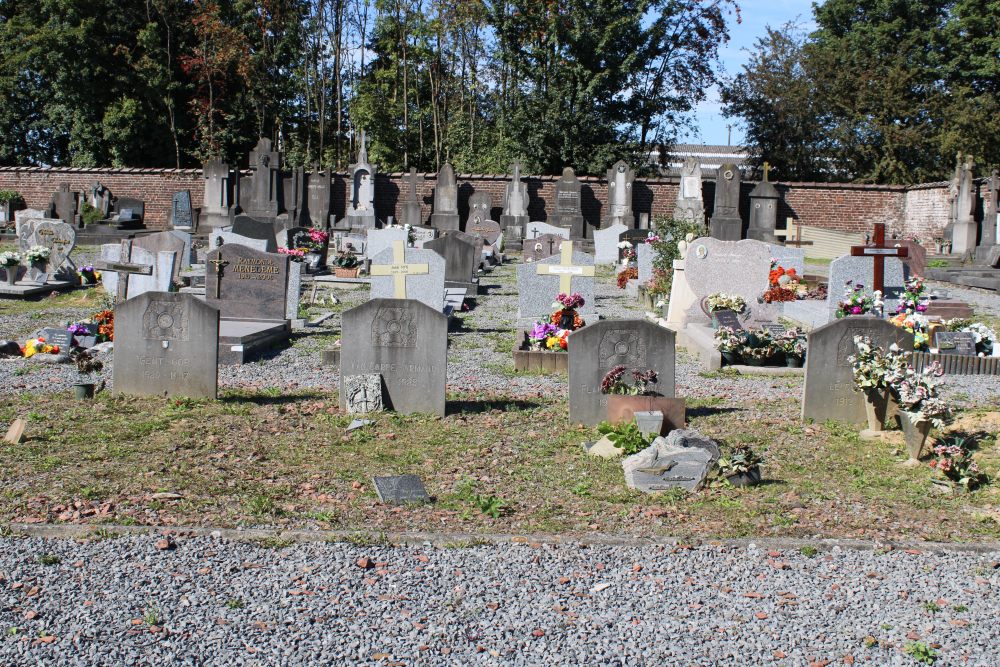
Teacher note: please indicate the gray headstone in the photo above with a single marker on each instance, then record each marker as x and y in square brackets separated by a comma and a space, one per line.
[59, 238]
[427, 288]
[690, 206]
[764, 199]
[597, 348]
[480, 211]
[185, 237]
[829, 383]
[537, 292]
[256, 229]
[488, 230]
[181, 211]
[568, 213]
[28, 214]
[229, 238]
[669, 463]
[166, 344]
[620, 179]
[790, 257]
[401, 490]
[644, 260]
[253, 285]
[404, 340]
[536, 229]
[606, 243]
[412, 213]
[422, 235]
[861, 270]
[962, 343]
[541, 247]
[361, 198]
[733, 267]
[460, 257]
[294, 290]
[380, 239]
[727, 225]
[363, 393]
[164, 242]
[320, 202]
[259, 199]
[217, 199]
[159, 280]
[445, 215]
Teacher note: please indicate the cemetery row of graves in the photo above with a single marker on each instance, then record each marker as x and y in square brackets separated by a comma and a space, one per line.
[514, 376]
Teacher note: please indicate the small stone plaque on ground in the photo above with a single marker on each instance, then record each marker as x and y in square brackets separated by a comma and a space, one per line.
[401, 490]
[776, 330]
[728, 318]
[16, 432]
[60, 337]
[955, 342]
[363, 393]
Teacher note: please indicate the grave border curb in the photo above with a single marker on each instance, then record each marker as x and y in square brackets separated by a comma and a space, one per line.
[448, 539]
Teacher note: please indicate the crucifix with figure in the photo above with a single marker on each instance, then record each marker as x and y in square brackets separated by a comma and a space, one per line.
[878, 251]
[219, 264]
[565, 269]
[399, 269]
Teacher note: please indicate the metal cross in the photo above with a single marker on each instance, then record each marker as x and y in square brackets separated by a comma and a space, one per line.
[219, 264]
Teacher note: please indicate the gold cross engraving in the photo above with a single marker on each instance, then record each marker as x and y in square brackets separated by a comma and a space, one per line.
[565, 268]
[399, 269]
[219, 265]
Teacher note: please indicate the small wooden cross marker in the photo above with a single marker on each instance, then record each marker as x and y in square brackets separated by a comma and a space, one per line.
[399, 269]
[878, 251]
[565, 268]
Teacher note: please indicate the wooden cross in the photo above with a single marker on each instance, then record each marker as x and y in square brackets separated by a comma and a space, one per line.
[124, 268]
[878, 251]
[798, 242]
[565, 268]
[219, 264]
[399, 269]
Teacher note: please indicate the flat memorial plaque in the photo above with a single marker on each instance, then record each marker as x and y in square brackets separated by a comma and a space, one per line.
[956, 342]
[776, 330]
[728, 318]
[401, 490]
[60, 337]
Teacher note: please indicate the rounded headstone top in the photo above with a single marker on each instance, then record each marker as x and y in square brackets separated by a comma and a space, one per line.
[764, 190]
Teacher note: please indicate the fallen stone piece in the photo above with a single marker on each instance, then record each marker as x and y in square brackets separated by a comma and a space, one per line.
[603, 448]
[682, 460]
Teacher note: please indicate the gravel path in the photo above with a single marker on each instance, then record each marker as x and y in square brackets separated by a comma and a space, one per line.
[479, 357]
[212, 602]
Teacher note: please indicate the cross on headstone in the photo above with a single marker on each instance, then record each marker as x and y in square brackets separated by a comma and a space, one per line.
[878, 251]
[565, 268]
[798, 241]
[219, 264]
[399, 269]
[124, 268]
[767, 169]
[412, 180]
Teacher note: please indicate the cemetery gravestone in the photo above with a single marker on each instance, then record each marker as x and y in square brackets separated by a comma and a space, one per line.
[363, 393]
[380, 239]
[401, 490]
[181, 211]
[165, 242]
[763, 211]
[60, 337]
[407, 343]
[129, 213]
[515, 210]
[829, 381]
[461, 260]
[620, 179]
[320, 201]
[861, 271]
[295, 198]
[258, 230]
[690, 205]
[412, 213]
[445, 215]
[962, 230]
[246, 284]
[727, 225]
[217, 239]
[597, 348]
[129, 270]
[644, 261]
[217, 207]
[606, 243]
[263, 186]
[541, 247]
[60, 239]
[539, 283]
[728, 318]
[568, 214]
[732, 267]
[790, 258]
[409, 273]
[955, 342]
[536, 229]
[422, 235]
[63, 204]
[361, 202]
[488, 230]
[480, 211]
[166, 344]
[100, 198]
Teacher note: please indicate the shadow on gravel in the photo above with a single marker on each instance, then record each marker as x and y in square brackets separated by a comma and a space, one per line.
[708, 411]
[475, 407]
[262, 399]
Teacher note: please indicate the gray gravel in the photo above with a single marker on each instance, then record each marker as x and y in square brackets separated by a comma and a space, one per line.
[226, 603]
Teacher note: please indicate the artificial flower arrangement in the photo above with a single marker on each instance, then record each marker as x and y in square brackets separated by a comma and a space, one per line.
[916, 325]
[758, 346]
[565, 315]
[629, 273]
[294, 254]
[872, 367]
[659, 285]
[913, 299]
[37, 254]
[985, 337]
[105, 321]
[723, 301]
[9, 259]
[916, 393]
[793, 344]
[347, 258]
[614, 381]
[651, 238]
[955, 463]
[38, 345]
[626, 251]
[783, 284]
[858, 302]
[89, 275]
[544, 336]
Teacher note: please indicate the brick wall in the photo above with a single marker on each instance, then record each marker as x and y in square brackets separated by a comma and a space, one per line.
[920, 210]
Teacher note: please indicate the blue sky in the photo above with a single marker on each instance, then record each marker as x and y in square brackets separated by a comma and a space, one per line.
[757, 15]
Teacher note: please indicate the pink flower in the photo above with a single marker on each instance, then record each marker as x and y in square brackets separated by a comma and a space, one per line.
[856, 310]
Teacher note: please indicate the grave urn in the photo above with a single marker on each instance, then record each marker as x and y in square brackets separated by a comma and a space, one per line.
[876, 406]
[83, 390]
[623, 407]
[914, 435]
[10, 274]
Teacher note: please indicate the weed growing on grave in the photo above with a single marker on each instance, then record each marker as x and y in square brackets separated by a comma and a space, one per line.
[931, 607]
[49, 559]
[470, 543]
[365, 539]
[921, 652]
[274, 542]
[808, 550]
[960, 608]
[262, 506]
[151, 616]
[493, 506]
[235, 603]
[104, 534]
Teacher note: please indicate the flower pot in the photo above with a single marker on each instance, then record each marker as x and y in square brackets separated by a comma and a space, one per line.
[754, 361]
[749, 478]
[83, 390]
[915, 435]
[792, 361]
[730, 358]
[346, 273]
[10, 274]
[876, 405]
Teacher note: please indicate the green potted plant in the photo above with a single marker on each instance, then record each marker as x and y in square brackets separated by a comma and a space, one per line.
[86, 366]
[10, 201]
[346, 264]
[9, 261]
[741, 467]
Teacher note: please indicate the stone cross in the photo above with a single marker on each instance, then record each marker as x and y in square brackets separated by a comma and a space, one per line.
[878, 250]
[767, 168]
[124, 267]
[399, 269]
[219, 264]
[412, 180]
[565, 268]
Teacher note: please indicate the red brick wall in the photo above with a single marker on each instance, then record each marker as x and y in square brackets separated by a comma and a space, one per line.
[920, 210]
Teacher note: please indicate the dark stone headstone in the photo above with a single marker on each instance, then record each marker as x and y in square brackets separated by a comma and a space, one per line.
[401, 490]
[60, 337]
[955, 342]
[259, 230]
[404, 340]
[829, 383]
[63, 204]
[460, 258]
[568, 213]
[597, 348]
[260, 199]
[445, 215]
[763, 213]
[488, 230]
[544, 246]
[320, 201]
[480, 212]
[412, 214]
[729, 318]
[246, 284]
[166, 344]
[181, 212]
[727, 224]
[130, 209]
